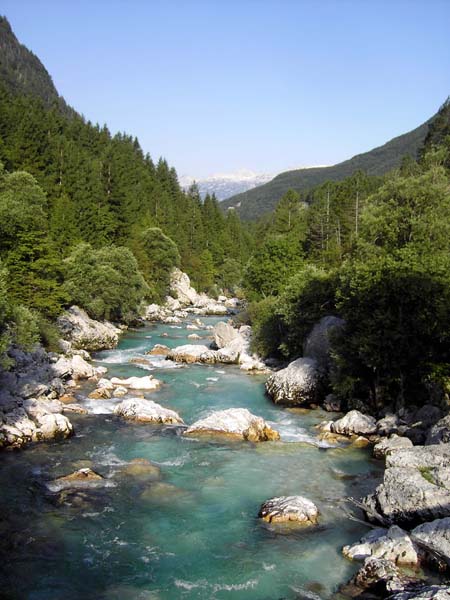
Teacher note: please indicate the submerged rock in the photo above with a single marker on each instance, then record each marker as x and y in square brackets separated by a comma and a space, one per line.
[85, 333]
[146, 411]
[236, 422]
[141, 469]
[289, 509]
[296, 385]
[81, 479]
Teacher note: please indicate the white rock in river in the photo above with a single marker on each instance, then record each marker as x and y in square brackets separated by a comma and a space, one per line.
[236, 422]
[393, 544]
[224, 333]
[83, 332]
[147, 383]
[289, 508]
[181, 289]
[146, 411]
[355, 423]
[191, 353]
[53, 427]
[296, 384]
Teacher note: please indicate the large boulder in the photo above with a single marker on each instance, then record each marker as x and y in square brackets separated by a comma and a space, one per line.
[354, 423]
[393, 544]
[192, 353]
[440, 432]
[181, 289]
[224, 333]
[146, 411]
[436, 535]
[318, 342]
[423, 591]
[234, 422]
[377, 578]
[289, 509]
[415, 487]
[85, 333]
[295, 385]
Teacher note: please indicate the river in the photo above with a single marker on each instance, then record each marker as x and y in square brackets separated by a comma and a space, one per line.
[195, 532]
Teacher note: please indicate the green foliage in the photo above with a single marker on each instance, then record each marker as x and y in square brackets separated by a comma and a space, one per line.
[230, 275]
[106, 282]
[268, 326]
[271, 266]
[157, 255]
[397, 316]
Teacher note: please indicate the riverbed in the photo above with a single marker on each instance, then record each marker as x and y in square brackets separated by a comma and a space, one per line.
[194, 532]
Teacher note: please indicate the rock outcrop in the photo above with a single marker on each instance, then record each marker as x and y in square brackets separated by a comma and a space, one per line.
[296, 385]
[234, 422]
[388, 445]
[416, 486]
[286, 509]
[84, 333]
[146, 411]
[393, 544]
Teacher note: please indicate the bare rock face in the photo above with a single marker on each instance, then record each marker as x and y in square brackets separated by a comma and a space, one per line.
[440, 432]
[354, 423]
[192, 353]
[286, 509]
[235, 422]
[146, 411]
[85, 333]
[181, 289]
[296, 385]
[423, 592]
[435, 534]
[388, 445]
[393, 544]
[224, 334]
[379, 578]
[416, 486]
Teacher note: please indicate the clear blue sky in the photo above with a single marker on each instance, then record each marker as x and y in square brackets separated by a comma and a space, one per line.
[219, 85]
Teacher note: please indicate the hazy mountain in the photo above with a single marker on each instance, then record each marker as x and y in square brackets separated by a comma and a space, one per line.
[255, 202]
[224, 185]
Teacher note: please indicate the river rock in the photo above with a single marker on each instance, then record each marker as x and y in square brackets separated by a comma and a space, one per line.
[440, 432]
[81, 369]
[236, 422]
[354, 423]
[393, 544]
[223, 334]
[194, 336]
[146, 411]
[420, 457]
[388, 445]
[159, 350]
[192, 353]
[101, 393]
[295, 385]
[53, 427]
[378, 577]
[289, 509]
[85, 333]
[147, 383]
[75, 408]
[120, 391]
[81, 479]
[435, 534]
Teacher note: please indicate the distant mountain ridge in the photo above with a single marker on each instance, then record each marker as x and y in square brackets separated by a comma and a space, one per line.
[22, 72]
[227, 184]
[254, 203]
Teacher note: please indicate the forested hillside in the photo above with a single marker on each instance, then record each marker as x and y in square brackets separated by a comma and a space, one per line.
[374, 251]
[86, 214]
[263, 199]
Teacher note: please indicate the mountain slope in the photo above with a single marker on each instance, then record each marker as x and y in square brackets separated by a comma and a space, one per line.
[22, 72]
[260, 200]
[227, 185]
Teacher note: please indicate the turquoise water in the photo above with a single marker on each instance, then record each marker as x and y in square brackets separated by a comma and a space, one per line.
[194, 533]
